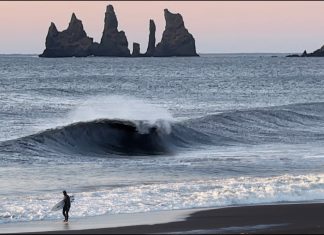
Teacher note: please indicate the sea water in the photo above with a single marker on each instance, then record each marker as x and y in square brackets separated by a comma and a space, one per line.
[127, 135]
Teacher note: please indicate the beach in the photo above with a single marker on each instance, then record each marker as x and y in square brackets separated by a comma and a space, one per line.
[301, 218]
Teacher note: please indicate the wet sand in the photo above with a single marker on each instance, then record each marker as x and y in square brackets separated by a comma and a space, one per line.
[287, 218]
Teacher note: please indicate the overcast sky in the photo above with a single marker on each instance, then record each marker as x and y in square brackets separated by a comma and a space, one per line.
[218, 27]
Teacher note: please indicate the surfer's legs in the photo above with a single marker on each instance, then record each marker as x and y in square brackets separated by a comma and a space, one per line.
[66, 214]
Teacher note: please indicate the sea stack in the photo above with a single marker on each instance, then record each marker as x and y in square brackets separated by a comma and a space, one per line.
[176, 40]
[136, 50]
[113, 42]
[151, 44]
[71, 42]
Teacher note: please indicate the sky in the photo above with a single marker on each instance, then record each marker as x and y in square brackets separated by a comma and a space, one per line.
[217, 26]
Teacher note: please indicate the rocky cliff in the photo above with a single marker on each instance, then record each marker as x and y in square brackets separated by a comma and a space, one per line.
[176, 40]
[71, 42]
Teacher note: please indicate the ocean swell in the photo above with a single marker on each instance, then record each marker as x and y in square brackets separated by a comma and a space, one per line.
[291, 124]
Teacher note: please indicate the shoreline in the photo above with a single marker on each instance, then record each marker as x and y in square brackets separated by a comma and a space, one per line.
[271, 218]
[96, 222]
[278, 219]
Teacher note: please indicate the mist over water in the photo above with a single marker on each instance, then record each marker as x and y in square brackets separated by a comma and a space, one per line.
[158, 134]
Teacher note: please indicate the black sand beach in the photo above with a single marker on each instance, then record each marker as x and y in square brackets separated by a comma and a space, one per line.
[287, 218]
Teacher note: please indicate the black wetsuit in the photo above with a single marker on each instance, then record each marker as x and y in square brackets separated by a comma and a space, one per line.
[66, 208]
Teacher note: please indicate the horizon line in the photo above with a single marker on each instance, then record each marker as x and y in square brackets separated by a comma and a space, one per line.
[202, 53]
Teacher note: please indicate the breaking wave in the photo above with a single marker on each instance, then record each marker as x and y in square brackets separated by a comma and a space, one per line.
[297, 123]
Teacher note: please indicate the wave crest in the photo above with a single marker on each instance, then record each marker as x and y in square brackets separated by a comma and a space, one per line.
[297, 123]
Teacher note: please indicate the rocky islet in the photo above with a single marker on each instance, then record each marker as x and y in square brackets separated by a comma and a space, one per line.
[74, 42]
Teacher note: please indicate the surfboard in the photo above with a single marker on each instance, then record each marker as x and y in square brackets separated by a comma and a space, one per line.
[60, 204]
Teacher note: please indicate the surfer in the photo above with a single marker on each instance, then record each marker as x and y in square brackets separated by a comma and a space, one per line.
[66, 207]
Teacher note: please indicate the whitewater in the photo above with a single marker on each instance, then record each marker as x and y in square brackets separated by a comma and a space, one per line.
[153, 134]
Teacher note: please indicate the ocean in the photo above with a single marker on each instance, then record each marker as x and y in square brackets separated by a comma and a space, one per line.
[129, 135]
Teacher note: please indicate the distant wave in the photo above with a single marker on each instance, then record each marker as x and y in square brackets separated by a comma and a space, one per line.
[297, 123]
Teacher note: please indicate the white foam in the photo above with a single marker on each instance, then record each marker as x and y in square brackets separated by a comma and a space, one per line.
[163, 126]
[116, 107]
[313, 156]
[169, 196]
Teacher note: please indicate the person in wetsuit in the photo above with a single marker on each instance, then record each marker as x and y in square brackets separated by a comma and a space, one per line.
[67, 205]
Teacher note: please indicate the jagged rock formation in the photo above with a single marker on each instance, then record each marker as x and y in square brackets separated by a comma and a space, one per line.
[304, 53]
[136, 50]
[151, 44]
[176, 40]
[317, 53]
[113, 42]
[298, 55]
[71, 42]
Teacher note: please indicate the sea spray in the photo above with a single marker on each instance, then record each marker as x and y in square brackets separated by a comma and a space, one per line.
[118, 107]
